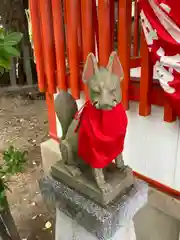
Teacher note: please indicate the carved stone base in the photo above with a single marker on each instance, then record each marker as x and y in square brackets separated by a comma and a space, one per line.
[120, 181]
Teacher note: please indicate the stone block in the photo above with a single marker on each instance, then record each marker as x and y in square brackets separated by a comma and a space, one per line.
[50, 154]
[120, 182]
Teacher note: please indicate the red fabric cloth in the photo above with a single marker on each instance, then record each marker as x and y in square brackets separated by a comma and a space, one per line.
[101, 134]
[161, 25]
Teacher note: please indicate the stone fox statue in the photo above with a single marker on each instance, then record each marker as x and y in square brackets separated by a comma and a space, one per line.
[96, 133]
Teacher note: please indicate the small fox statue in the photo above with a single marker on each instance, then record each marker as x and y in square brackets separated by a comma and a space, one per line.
[95, 134]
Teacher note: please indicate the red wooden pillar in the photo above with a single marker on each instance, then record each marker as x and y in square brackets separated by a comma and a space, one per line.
[79, 32]
[49, 59]
[39, 16]
[124, 46]
[88, 37]
[95, 24]
[105, 39]
[146, 78]
[112, 19]
[87, 27]
[51, 116]
[37, 41]
[59, 43]
[136, 30]
[72, 44]
[169, 114]
[48, 44]
[65, 23]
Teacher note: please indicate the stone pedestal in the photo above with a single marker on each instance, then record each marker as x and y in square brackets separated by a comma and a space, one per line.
[67, 228]
[80, 218]
[120, 182]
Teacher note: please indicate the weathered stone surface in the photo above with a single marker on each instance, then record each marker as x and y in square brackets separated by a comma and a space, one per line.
[68, 229]
[102, 222]
[165, 203]
[119, 181]
[50, 153]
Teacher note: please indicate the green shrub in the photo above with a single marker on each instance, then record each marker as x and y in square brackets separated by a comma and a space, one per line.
[13, 162]
[8, 47]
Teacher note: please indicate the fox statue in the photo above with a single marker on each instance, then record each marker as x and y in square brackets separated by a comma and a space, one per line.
[96, 133]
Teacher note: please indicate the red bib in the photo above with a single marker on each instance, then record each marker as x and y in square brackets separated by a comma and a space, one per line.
[101, 134]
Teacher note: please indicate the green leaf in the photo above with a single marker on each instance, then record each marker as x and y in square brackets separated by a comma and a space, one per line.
[1, 42]
[2, 195]
[3, 53]
[14, 161]
[2, 33]
[5, 63]
[1, 29]
[2, 200]
[12, 51]
[13, 38]
[2, 70]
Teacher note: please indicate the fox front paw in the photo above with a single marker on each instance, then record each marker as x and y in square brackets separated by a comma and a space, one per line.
[106, 188]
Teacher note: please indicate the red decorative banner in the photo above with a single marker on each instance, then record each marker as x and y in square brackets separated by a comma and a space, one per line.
[161, 25]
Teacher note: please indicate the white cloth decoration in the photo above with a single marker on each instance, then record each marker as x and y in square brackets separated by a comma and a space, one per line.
[165, 20]
[165, 7]
[149, 32]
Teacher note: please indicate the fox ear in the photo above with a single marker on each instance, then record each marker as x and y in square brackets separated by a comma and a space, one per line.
[114, 65]
[90, 68]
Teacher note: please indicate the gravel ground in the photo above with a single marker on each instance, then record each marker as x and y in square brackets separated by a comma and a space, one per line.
[23, 124]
